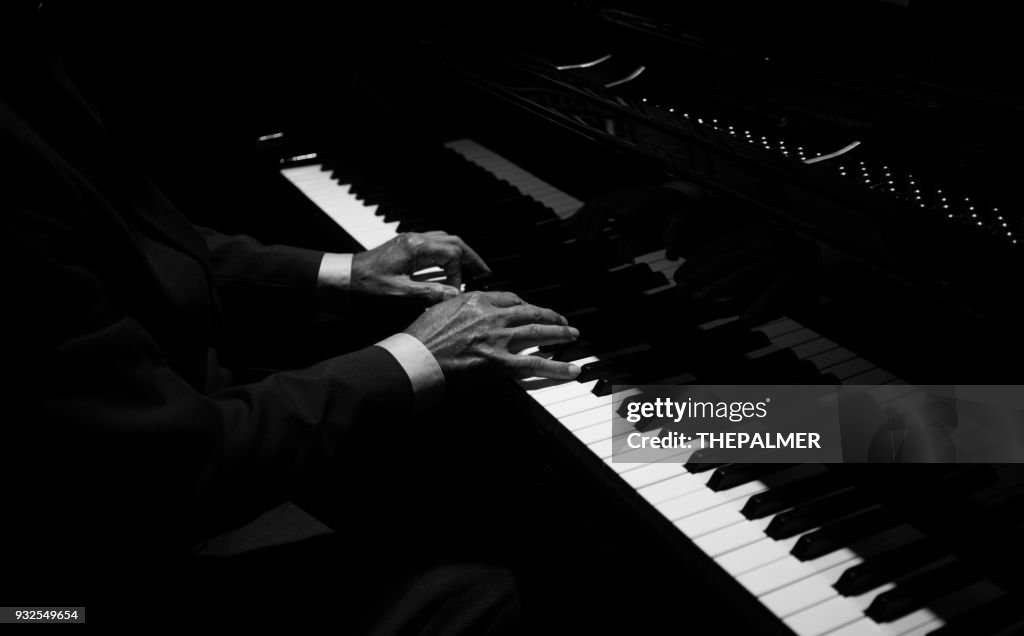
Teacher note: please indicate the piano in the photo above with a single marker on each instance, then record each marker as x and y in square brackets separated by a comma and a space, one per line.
[880, 161]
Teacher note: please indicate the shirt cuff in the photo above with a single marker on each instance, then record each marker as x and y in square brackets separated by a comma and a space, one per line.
[335, 271]
[422, 368]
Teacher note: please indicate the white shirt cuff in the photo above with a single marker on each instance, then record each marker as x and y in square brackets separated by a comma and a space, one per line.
[422, 368]
[335, 271]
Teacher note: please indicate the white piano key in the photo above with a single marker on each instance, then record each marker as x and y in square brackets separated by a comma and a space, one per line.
[752, 556]
[675, 486]
[813, 347]
[650, 257]
[693, 503]
[730, 538]
[596, 432]
[622, 465]
[787, 571]
[653, 473]
[779, 327]
[916, 623]
[578, 404]
[831, 357]
[806, 591]
[849, 368]
[924, 628]
[824, 617]
[710, 520]
[793, 338]
[563, 392]
[579, 422]
[875, 376]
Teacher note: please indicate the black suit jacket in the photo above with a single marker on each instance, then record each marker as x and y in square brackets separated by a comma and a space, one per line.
[127, 437]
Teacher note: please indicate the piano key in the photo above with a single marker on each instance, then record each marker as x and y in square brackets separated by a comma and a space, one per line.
[823, 617]
[914, 592]
[754, 555]
[564, 206]
[785, 571]
[810, 589]
[653, 473]
[676, 486]
[729, 538]
[885, 567]
[831, 357]
[999, 615]
[842, 533]
[914, 625]
[779, 327]
[735, 474]
[815, 513]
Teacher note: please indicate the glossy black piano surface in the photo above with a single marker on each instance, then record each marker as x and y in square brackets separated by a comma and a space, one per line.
[919, 226]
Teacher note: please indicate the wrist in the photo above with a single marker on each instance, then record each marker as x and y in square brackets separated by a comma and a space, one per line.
[334, 279]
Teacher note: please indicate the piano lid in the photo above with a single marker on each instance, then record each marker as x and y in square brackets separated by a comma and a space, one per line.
[861, 123]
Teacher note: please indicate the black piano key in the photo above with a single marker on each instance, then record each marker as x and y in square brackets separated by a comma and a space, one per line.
[732, 475]
[917, 591]
[700, 467]
[649, 363]
[877, 570]
[1001, 616]
[843, 533]
[792, 494]
[816, 513]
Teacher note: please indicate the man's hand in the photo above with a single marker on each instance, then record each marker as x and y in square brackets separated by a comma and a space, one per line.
[385, 270]
[479, 331]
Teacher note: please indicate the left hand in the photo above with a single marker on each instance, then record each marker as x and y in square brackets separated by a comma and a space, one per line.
[386, 270]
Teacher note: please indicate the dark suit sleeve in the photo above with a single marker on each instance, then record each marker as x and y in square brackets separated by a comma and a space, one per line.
[106, 437]
[267, 284]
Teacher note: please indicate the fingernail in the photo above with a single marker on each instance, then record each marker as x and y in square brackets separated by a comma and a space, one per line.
[574, 332]
[574, 371]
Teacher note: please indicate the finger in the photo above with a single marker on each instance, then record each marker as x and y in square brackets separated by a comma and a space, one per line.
[470, 259]
[533, 366]
[531, 314]
[430, 293]
[443, 254]
[502, 299]
[538, 335]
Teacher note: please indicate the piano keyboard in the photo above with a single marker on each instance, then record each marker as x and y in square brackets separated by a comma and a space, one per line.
[717, 508]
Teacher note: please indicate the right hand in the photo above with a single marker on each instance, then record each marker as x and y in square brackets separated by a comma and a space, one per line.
[482, 331]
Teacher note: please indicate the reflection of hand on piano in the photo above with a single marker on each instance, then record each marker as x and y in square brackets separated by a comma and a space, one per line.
[387, 270]
[481, 331]
[675, 217]
[764, 268]
[645, 216]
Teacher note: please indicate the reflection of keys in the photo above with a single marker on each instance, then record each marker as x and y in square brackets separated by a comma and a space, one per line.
[559, 202]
